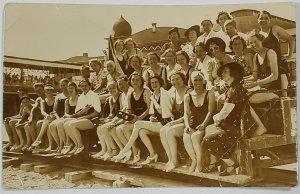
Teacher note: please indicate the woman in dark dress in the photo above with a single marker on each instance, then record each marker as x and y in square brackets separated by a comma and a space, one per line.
[119, 48]
[272, 35]
[199, 106]
[221, 138]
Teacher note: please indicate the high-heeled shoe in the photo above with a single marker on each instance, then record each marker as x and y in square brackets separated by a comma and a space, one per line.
[79, 150]
[128, 156]
[150, 160]
[120, 156]
[36, 143]
[170, 166]
[137, 157]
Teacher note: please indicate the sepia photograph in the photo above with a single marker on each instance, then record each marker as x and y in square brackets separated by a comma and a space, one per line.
[100, 96]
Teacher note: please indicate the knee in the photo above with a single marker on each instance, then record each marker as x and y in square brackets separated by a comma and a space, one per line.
[169, 132]
[197, 135]
[143, 132]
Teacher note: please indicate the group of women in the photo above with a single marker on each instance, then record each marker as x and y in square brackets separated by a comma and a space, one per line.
[202, 102]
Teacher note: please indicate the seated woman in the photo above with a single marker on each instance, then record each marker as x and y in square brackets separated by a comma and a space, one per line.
[47, 107]
[199, 106]
[56, 128]
[138, 105]
[221, 138]
[113, 74]
[114, 107]
[265, 64]
[88, 107]
[19, 126]
[131, 49]
[154, 69]
[171, 65]
[161, 114]
[136, 63]
[182, 58]
[173, 129]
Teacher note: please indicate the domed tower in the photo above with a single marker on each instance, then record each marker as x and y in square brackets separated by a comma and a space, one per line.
[121, 29]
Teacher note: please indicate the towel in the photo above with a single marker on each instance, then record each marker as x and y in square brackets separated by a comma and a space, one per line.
[165, 105]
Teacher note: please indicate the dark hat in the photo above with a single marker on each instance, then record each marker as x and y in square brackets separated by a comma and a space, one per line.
[236, 70]
[175, 29]
[195, 28]
[218, 41]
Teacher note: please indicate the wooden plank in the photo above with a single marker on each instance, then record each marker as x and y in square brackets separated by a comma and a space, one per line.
[8, 161]
[78, 175]
[27, 167]
[45, 168]
[266, 141]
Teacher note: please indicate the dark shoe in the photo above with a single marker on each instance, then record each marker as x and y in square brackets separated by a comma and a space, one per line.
[227, 170]
[211, 168]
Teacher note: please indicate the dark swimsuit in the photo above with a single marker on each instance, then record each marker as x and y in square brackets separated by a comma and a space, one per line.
[198, 114]
[48, 109]
[178, 109]
[61, 106]
[139, 106]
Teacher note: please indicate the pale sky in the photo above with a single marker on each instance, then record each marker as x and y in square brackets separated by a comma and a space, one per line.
[61, 31]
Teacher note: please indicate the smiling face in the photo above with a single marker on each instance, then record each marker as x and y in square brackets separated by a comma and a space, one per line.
[177, 81]
[129, 45]
[181, 60]
[200, 52]
[264, 20]
[95, 66]
[170, 58]
[198, 82]
[226, 75]
[135, 63]
[222, 19]
[119, 46]
[173, 36]
[214, 49]
[230, 30]
[255, 43]
[39, 90]
[136, 81]
[112, 89]
[152, 60]
[207, 26]
[85, 87]
[63, 85]
[192, 35]
[110, 67]
[154, 83]
[237, 45]
[123, 85]
[72, 90]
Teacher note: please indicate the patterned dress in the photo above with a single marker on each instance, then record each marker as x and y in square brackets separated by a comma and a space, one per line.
[222, 146]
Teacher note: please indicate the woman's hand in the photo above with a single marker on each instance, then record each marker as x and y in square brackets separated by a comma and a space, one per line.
[134, 119]
[250, 84]
[153, 119]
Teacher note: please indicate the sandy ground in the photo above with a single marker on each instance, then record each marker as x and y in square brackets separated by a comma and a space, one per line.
[14, 178]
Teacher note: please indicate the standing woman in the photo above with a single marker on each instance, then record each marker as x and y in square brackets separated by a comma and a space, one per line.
[155, 69]
[113, 74]
[87, 108]
[191, 35]
[202, 59]
[272, 35]
[131, 49]
[221, 138]
[175, 128]
[119, 48]
[171, 65]
[47, 107]
[56, 128]
[136, 63]
[182, 58]
[161, 113]
[221, 19]
[199, 107]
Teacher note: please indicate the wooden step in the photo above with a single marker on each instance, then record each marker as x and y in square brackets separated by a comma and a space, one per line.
[78, 175]
[45, 168]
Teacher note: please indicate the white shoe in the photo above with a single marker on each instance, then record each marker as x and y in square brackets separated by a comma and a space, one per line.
[150, 160]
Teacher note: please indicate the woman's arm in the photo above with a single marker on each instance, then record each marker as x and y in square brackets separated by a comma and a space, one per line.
[67, 107]
[187, 114]
[146, 77]
[42, 105]
[55, 106]
[283, 34]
